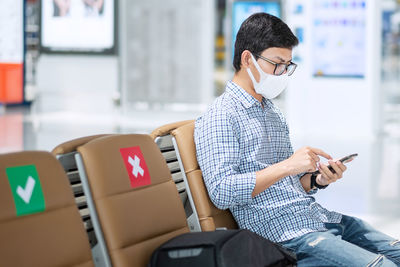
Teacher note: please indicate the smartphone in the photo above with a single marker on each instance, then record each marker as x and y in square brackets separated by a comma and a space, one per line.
[342, 160]
[348, 158]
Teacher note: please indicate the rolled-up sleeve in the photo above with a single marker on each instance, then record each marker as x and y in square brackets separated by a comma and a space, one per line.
[298, 177]
[218, 154]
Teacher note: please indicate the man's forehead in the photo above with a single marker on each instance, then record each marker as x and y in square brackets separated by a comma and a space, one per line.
[283, 60]
[278, 54]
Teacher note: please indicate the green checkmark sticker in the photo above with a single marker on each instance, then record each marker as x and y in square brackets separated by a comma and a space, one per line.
[26, 189]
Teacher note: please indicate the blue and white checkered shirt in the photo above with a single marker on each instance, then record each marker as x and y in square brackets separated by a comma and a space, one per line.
[237, 137]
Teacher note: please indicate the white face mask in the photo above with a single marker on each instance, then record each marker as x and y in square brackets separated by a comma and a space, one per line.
[269, 86]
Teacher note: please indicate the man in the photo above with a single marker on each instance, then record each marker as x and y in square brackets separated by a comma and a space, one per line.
[248, 164]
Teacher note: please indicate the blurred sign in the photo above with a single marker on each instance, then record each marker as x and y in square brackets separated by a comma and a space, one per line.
[339, 38]
[167, 52]
[77, 26]
[241, 10]
[11, 51]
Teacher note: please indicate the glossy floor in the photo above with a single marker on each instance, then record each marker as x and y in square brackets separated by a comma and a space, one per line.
[370, 188]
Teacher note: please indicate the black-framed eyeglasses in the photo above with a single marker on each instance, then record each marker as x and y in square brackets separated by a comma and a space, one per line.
[280, 68]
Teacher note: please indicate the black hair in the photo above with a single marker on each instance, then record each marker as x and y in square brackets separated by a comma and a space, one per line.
[261, 31]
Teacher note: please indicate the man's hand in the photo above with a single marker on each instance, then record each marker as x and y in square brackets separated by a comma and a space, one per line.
[305, 160]
[326, 176]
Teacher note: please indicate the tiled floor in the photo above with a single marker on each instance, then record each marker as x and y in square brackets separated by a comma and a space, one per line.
[370, 188]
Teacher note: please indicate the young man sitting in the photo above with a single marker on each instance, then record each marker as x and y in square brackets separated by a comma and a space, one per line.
[248, 164]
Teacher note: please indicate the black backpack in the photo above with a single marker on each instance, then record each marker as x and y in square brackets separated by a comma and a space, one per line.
[221, 248]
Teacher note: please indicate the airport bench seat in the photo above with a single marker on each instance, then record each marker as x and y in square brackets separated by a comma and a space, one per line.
[206, 217]
[44, 228]
[133, 219]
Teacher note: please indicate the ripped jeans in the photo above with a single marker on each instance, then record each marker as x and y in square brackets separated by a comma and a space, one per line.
[352, 242]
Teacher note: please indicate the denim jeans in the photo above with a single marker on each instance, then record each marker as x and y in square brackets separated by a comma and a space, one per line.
[352, 242]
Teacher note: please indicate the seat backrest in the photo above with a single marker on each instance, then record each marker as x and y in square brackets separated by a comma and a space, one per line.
[168, 128]
[163, 138]
[39, 222]
[72, 145]
[209, 216]
[135, 199]
[65, 154]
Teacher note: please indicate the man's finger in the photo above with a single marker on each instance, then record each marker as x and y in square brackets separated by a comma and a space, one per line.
[327, 173]
[314, 157]
[335, 167]
[320, 152]
[324, 175]
[314, 166]
[341, 166]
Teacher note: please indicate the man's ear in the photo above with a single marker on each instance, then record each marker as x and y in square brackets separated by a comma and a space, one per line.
[246, 59]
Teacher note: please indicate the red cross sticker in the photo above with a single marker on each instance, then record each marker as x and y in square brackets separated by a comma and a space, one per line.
[136, 166]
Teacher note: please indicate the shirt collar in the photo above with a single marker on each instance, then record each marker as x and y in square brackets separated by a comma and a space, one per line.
[244, 97]
[240, 94]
